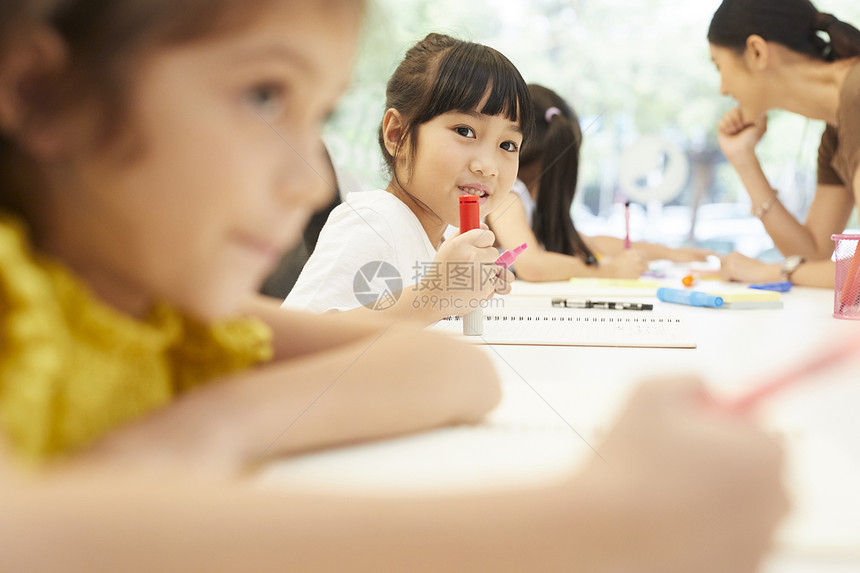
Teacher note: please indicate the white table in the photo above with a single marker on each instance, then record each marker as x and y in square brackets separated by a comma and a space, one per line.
[558, 400]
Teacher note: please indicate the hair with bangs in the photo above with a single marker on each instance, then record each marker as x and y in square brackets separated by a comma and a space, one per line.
[441, 74]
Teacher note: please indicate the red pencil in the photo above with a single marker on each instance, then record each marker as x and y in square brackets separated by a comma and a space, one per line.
[837, 353]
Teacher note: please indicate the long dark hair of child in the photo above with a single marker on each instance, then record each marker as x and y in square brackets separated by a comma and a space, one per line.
[555, 147]
[796, 24]
[441, 74]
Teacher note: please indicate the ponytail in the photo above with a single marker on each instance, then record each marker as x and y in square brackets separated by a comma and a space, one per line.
[844, 38]
[556, 145]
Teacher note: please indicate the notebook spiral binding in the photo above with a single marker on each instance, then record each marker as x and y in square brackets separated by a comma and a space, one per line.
[522, 318]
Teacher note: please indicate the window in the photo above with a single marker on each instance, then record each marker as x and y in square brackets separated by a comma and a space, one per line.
[637, 72]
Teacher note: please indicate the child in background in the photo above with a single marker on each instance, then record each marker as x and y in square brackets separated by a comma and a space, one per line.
[195, 190]
[538, 211]
[456, 116]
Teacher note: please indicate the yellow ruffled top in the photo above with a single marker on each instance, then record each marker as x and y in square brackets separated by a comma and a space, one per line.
[72, 368]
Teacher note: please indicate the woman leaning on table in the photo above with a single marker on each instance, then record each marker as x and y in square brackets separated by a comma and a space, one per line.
[785, 54]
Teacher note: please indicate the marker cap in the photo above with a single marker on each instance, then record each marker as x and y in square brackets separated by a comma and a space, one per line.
[508, 258]
[470, 213]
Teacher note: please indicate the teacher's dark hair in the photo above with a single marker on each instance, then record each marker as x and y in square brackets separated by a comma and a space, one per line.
[795, 24]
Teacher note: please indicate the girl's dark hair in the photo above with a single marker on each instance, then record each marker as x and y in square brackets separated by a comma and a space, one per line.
[555, 148]
[441, 74]
[105, 40]
[796, 24]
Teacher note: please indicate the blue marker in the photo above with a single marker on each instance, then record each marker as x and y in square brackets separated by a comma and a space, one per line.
[689, 297]
[778, 287]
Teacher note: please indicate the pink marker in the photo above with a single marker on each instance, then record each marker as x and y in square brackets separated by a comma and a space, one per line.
[507, 258]
[627, 225]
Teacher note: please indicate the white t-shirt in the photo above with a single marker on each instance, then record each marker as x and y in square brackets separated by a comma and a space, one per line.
[528, 202]
[369, 226]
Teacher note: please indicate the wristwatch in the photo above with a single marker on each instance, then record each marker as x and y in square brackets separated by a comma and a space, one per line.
[789, 265]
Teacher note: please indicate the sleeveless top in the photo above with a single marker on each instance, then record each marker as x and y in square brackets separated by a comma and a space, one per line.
[72, 368]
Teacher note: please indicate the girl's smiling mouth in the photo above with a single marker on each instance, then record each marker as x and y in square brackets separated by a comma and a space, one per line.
[481, 191]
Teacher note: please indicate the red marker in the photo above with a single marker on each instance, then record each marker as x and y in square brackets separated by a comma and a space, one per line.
[470, 213]
[470, 218]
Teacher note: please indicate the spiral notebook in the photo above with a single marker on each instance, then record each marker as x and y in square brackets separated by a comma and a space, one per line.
[576, 328]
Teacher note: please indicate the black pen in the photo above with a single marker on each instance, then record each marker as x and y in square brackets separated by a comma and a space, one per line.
[565, 303]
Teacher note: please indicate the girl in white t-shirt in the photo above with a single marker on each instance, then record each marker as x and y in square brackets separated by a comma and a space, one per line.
[456, 116]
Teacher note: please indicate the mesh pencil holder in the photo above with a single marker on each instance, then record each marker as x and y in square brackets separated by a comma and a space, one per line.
[846, 295]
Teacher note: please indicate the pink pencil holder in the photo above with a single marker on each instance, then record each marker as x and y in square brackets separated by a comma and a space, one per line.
[845, 296]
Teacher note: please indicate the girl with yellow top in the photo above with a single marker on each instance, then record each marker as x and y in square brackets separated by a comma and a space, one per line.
[156, 151]
[152, 173]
